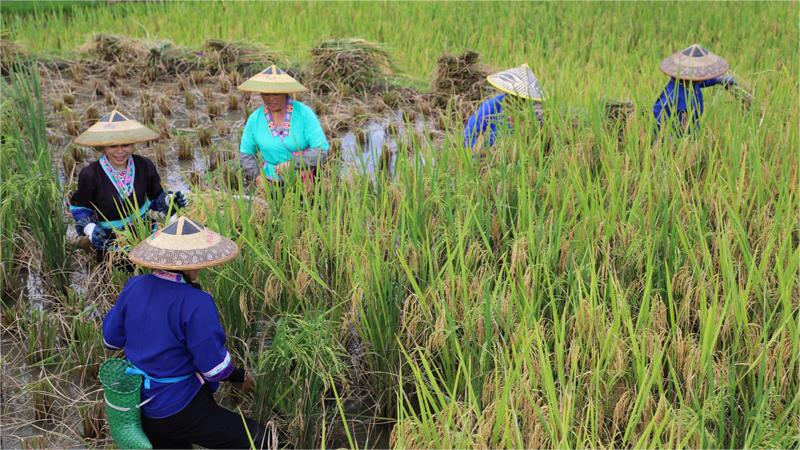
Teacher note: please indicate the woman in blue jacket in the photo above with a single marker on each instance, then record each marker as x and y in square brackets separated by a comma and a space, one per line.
[680, 104]
[170, 331]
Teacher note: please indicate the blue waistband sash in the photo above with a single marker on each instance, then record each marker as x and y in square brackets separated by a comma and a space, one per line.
[120, 223]
[147, 378]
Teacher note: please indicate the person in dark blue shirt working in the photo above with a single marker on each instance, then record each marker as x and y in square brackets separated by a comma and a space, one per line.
[170, 331]
[681, 101]
[516, 84]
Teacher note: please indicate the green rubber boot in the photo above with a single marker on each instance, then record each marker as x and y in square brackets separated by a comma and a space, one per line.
[122, 395]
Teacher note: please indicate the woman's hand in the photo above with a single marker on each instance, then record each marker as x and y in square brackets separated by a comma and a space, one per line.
[260, 183]
[281, 168]
[249, 383]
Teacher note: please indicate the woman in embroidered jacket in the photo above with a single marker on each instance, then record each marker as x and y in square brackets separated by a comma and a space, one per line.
[284, 132]
[172, 336]
[119, 187]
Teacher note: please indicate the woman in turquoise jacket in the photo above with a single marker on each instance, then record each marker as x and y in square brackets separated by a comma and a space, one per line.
[284, 131]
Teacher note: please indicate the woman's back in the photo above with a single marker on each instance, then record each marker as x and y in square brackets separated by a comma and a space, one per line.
[168, 329]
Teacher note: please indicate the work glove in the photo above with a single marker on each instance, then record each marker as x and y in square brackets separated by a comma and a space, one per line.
[177, 198]
[98, 236]
[161, 204]
[727, 80]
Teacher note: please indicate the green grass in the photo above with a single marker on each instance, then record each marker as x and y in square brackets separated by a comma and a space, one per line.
[585, 294]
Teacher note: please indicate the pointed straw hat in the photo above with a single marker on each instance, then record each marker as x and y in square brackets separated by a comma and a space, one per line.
[519, 81]
[115, 128]
[183, 245]
[272, 80]
[694, 63]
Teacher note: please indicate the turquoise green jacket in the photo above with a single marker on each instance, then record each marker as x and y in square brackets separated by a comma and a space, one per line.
[305, 134]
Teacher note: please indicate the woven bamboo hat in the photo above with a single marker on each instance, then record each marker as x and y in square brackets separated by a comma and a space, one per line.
[272, 80]
[694, 63]
[115, 128]
[183, 245]
[519, 81]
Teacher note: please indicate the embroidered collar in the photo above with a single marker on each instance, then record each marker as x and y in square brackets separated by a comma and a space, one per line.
[283, 131]
[123, 179]
[169, 276]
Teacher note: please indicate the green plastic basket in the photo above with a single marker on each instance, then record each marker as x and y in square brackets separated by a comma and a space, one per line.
[123, 395]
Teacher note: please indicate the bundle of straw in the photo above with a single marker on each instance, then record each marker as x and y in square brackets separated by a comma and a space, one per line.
[356, 64]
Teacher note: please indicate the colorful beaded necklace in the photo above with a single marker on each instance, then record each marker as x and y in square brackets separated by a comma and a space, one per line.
[123, 179]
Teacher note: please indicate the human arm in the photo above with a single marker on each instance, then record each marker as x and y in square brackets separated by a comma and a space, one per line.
[114, 337]
[318, 146]
[83, 212]
[205, 340]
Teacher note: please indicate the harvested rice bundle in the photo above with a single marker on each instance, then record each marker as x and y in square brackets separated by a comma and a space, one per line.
[459, 80]
[353, 63]
[11, 54]
[116, 49]
[173, 60]
[240, 57]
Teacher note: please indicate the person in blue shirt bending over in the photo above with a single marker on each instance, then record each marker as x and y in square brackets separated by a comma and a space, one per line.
[170, 331]
[518, 84]
[680, 104]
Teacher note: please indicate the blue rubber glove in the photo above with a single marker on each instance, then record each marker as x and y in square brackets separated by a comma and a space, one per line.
[727, 80]
[162, 203]
[177, 198]
[99, 237]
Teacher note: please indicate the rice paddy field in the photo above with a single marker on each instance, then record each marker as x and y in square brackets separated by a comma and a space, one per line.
[576, 286]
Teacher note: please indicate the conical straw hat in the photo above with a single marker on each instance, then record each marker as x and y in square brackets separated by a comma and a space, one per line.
[519, 81]
[115, 129]
[272, 80]
[694, 63]
[183, 245]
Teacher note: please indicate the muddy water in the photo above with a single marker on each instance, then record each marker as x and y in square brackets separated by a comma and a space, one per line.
[379, 148]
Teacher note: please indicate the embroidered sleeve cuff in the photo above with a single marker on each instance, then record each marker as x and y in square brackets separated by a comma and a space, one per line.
[110, 346]
[221, 370]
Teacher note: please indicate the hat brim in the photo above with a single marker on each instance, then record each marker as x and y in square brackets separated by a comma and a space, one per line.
[272, 88]
[507, 90]
[714, 67]
[146, 255]
[108, 138]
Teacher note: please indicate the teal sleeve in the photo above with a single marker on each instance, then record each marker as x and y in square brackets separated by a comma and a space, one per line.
[313, 131]
[269, 171]
[248, 144]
